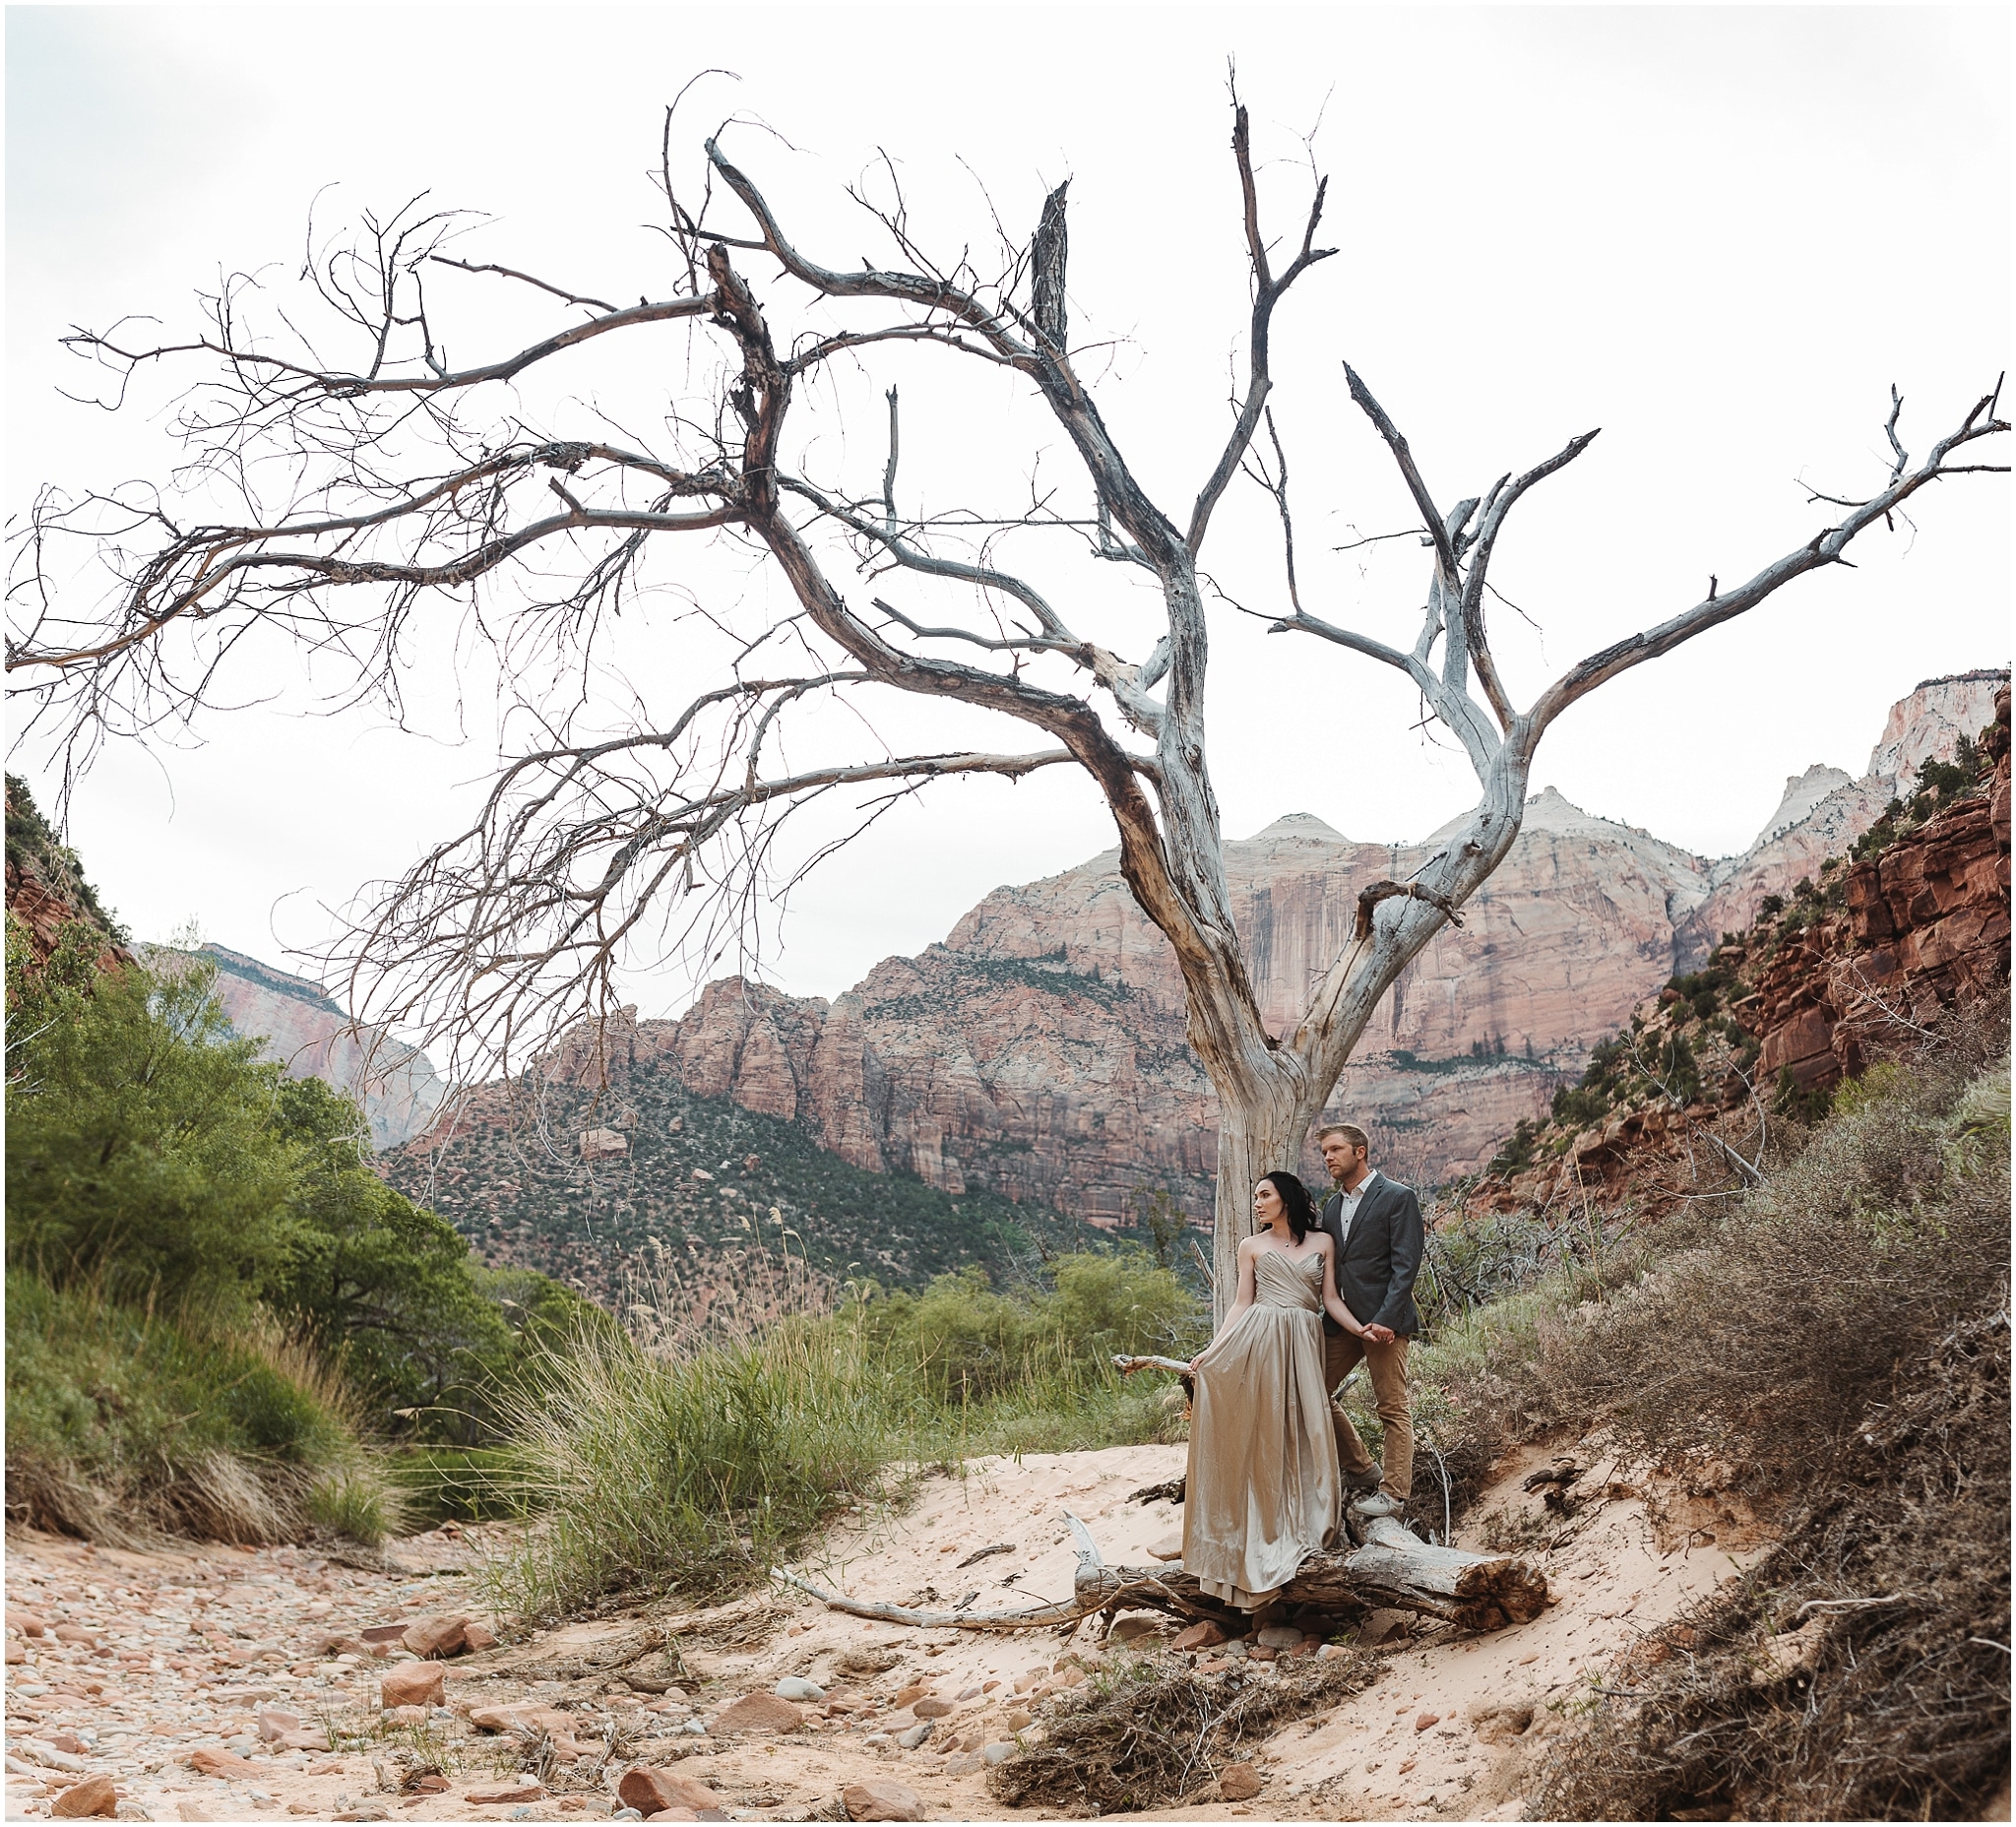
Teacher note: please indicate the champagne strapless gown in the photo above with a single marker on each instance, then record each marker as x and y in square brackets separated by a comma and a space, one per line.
[1263, 1480]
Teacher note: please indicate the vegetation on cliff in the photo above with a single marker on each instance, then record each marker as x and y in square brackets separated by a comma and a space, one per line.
[37, 854]
[1795, 1291]
[706, 1179]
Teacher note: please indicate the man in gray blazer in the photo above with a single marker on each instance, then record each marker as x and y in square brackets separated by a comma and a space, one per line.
[1376, 1224]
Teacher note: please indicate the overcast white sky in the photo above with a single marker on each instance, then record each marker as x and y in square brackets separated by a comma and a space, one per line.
[1718, 233]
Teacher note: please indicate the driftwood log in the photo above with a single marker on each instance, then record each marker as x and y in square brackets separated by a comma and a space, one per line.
[1388, 1566]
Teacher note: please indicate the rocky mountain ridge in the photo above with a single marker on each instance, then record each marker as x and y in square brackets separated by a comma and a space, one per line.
[1876, 951]
[311, 1036]
[1039, 1051]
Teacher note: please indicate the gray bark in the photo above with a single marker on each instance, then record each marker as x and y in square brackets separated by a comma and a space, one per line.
[1391, 1568]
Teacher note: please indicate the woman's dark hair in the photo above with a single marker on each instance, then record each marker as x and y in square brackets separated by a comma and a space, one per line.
[1294, 1199]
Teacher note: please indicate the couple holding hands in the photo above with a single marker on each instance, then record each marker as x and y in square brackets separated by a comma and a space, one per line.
[1273, 1456]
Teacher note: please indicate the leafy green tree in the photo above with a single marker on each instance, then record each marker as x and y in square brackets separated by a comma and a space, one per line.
[141, 1148]
[368, 1276]
[1119, 1300]
[968, 1342]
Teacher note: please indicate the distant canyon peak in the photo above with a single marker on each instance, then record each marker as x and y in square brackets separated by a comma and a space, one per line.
[309, 1033]
[1038, 1050]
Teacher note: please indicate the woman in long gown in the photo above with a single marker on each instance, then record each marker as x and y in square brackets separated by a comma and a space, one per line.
[1263, 1484]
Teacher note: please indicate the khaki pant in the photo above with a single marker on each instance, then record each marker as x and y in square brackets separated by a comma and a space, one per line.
[1387, 1365]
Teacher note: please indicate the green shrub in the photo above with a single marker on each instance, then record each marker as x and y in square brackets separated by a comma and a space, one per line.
[152, 1155]
[966, 1343]
[356, 1502]
[1760, 1335]
[1518, 1150]
[1603, 1081]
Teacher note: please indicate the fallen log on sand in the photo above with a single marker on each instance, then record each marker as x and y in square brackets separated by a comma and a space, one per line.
[1390, 1566]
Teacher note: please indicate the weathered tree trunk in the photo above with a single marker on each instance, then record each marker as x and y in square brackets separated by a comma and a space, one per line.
[1258, 1131]
[1391, 1567]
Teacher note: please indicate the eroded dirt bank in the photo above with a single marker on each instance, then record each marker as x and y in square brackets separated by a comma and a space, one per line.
[171, 1664]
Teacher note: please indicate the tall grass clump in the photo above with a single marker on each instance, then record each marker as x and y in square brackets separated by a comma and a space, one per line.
[686, 1453]
[124, 1425]
[685, 1466]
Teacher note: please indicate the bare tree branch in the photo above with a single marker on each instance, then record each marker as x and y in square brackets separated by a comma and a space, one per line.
[1823, 548]
[512, 273]
[1268, 292]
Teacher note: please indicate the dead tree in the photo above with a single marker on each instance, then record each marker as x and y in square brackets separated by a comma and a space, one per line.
[356, 487]
[1390, 1566]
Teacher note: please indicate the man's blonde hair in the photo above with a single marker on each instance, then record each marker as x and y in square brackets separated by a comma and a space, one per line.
[1350, 1132]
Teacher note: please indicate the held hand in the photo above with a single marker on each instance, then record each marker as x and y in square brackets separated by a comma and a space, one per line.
[1195, 1361]
[1378, 1334]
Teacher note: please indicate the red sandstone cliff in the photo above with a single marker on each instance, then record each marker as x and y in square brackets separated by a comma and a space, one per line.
[1823, 812]
[1914, 931]
[1925, 926]
[1040, 1050]
[46, 892]
[312, 1037]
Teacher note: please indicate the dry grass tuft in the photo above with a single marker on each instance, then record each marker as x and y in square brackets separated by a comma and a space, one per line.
[1152, 1732]
[127, 1426]
[1859, 1671]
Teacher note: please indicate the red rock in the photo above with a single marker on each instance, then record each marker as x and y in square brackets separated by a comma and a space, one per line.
[522, 1718]
[95, 1795]
[882, 1800]
[651, 1790]
[678, 1815]
[931, 1707]
[509, 1791]
[412, 1684]
[75, 1633]
[1200, 1636]
[215, 1760]
[382, 1633]
[929, 1060]
[1238, 1783]
[433, 1637]
[476, 1638]
[1426, 1720]
[759, 1712]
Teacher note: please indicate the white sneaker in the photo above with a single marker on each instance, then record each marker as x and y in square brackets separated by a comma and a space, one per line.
[1379, 1504]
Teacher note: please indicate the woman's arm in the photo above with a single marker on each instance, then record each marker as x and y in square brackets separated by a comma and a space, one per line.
[1333, 1302]
[1244, 1298]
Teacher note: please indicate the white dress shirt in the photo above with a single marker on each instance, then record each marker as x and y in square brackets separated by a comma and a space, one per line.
[1347, 1207]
